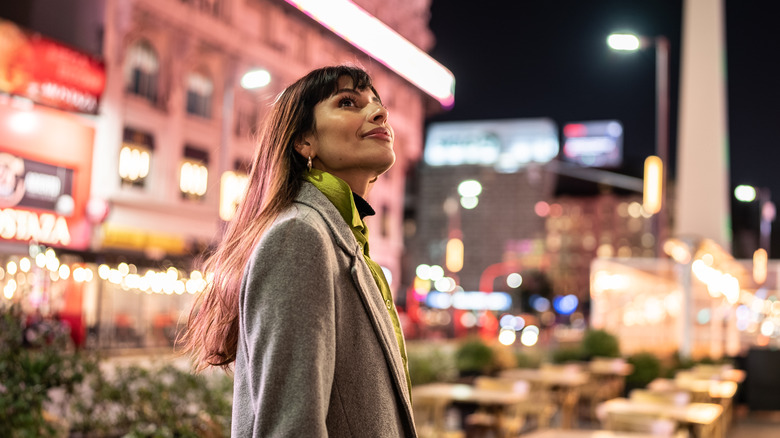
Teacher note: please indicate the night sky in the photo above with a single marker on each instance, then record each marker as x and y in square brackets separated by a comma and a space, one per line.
[521, 59]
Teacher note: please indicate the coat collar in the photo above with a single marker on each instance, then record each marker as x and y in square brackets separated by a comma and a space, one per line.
[312, 197]
[369, 292]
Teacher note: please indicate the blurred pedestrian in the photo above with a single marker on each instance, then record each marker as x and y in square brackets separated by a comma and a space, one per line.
[296, 304]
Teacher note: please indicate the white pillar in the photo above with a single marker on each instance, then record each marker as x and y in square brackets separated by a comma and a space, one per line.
[702, 192]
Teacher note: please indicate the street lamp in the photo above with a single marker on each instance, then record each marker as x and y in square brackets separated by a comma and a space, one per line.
[629, 42]
[746, 193]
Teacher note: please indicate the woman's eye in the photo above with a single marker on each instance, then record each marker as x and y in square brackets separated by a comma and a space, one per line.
[347, 102]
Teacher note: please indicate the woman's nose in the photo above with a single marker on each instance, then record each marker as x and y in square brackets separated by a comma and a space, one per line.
[380, 114]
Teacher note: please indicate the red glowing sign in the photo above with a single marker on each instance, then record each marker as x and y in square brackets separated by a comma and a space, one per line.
[48, 72]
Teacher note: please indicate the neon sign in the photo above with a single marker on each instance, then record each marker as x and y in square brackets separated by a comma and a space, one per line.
[376, 39]
[26, 225]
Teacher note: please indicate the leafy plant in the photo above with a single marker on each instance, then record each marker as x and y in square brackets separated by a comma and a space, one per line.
[646, 368]
[153, 402]
[36, 355]
[430, 365]
[567, 354]
[525, 360]
[474, 357]
[600, 343]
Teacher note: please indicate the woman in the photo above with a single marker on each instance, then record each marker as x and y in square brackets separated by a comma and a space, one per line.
[296, 302]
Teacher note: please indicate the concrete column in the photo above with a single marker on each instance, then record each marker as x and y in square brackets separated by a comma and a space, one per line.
[703, 190]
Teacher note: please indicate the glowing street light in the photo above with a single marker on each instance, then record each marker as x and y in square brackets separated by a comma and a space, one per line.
[629, 42]
[255, 79]
[623, 41]
[746, 193]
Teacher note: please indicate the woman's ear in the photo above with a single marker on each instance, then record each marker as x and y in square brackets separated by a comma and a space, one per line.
[303, 147]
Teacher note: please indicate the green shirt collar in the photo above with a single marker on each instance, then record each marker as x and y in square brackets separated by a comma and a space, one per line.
[340, 195]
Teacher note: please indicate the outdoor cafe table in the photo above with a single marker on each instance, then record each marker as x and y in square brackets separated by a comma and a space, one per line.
[699, 388]
[702, 418]
[457, 392]
[563, 384]
[706, 390]
[568, 433]
[446, 393]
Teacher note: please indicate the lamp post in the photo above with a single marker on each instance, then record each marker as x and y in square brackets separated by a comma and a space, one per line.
[767, 211]
[629, 42]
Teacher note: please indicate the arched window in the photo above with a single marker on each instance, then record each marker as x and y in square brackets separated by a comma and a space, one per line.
[200, 88]
[142, 71]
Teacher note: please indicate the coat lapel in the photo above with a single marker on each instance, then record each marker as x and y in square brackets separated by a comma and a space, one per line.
[366, 286]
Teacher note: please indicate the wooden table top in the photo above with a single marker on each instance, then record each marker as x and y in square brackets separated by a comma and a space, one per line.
[713, 388]
[548, 376]
[692, 413]
[467, 394]
[570, 433]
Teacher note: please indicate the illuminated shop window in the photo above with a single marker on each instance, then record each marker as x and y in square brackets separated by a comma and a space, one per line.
[135, 157]
[142, 71]
[200, 88]
[194, 173]
[231, 190]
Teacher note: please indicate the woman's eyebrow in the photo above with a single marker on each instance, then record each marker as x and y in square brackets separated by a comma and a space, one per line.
[373, 98]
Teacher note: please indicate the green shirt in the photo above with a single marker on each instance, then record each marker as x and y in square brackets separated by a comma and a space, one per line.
[340, 194]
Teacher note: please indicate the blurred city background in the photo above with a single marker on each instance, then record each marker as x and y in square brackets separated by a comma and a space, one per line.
[581, 202]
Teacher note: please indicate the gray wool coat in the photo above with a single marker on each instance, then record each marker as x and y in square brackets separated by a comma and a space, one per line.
[317, 355]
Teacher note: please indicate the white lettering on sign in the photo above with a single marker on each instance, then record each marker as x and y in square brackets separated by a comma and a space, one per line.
[82, 101]
[26, 225]
[42, 185]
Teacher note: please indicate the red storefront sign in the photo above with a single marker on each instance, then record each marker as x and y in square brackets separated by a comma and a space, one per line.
[48, 72]
[45, 172]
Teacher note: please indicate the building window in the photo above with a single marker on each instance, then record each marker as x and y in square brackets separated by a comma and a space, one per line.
[200, 88]
[231, 191]
[142, 71]
[211, 7]
[194, 173]
[135, 157]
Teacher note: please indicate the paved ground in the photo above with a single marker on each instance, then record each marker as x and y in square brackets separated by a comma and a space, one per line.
[756, 425]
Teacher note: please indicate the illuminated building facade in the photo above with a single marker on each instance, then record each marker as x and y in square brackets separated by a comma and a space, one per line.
[527, 218]
[173, 138]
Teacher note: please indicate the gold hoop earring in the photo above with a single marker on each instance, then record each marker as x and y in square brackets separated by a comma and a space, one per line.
[308, 164]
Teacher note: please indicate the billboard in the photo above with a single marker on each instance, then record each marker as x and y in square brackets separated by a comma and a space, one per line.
[506, 145]
[48, 72]
[45, 172]
[593, 144]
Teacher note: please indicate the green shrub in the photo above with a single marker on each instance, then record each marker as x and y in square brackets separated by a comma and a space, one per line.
[647, 367]
[474, 357]
[36, 356]
[600, 343]
[567, 354]
[161, 401]
[525, 360]
[428, 365]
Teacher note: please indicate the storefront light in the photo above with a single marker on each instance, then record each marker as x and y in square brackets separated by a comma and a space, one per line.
[64, 272]
[103, 271]
[25, 264]
[194, 178]
[232, 187]
[134, 163]
[11, 267]
[40, 260]
[9, 289]
[507, 337]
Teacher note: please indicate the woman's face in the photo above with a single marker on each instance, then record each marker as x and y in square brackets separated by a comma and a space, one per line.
[352, 138]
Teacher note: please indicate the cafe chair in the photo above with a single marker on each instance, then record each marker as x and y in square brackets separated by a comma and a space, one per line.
[430, 419]
[660, 427]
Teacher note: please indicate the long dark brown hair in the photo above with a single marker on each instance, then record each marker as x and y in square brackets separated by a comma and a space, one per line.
[274, 181]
